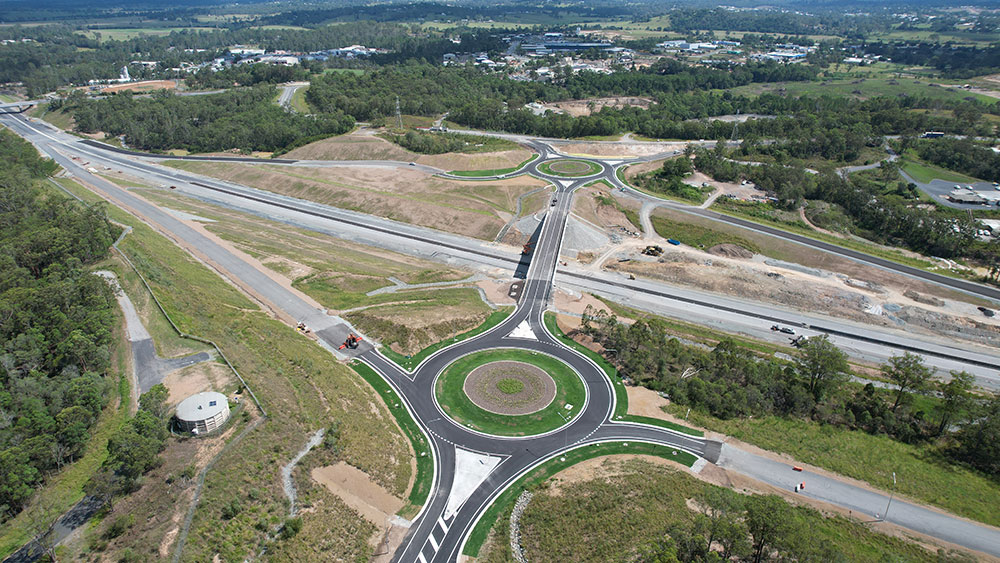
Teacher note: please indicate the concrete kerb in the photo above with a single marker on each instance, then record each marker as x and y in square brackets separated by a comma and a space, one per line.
[471, 525]
[435, 458]
[560, 428]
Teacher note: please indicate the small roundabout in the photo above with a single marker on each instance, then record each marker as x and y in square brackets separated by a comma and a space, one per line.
[570, 168]
[510, 392]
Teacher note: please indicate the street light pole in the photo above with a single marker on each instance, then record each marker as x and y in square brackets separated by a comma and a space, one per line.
[888, 504]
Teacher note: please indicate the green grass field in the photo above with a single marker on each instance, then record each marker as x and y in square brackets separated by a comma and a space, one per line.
[923, 474]
[568, 402]
[925, 173]
[125, 33]
[696, 235]
[299, 103]
[570, 168]
[861, 87]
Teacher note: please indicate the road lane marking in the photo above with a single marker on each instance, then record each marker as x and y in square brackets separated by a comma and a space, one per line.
[434, 543]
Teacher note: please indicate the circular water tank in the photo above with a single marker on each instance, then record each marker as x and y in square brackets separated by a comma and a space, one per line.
[202, 412]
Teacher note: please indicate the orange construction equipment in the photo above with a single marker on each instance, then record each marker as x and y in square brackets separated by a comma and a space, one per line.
[351, 342]
[526, 249]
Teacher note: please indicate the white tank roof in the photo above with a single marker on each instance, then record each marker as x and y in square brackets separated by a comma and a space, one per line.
[201, 406]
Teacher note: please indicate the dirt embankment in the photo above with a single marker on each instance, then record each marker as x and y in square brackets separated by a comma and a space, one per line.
[360, 146]
[475, 209]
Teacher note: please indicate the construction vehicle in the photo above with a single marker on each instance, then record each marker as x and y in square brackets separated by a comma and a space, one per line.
[653, 250]
[352, 342]
[527, 248]
[301, 327]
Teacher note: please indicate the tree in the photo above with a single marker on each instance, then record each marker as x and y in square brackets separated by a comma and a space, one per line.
[767, 522]
[822, 364]
[957, 398]
[154, 401]
[909, 374]
[724, 510]
[979, 441]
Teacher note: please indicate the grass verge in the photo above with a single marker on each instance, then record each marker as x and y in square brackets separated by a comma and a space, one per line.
[494, 171]
[555, 465]
[425, 464]
[698, 236]
[409, 363]
[923, 475]
[568, 402]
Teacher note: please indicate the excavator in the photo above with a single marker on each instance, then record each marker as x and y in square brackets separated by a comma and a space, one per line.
[351, 342]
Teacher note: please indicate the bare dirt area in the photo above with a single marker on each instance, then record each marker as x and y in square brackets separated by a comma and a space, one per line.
[577, 108]
[497, 291]
[358, 491]
[475, 209]
[618, 148]
[588, 205]
[877, 298]
[206, 376]
[364, 146]
[643, 167]
[574, 303]
[143, 86]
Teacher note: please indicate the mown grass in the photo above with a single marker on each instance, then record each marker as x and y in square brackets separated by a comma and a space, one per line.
[540, 474]
[621, 394]
[494, 171]
[425, 464]
[861, 87]
[409, 363]
[925, 173]
[567, 404]
[568, 168]
[923, 474]
[697, 235]
[636, 502]
[60, 117]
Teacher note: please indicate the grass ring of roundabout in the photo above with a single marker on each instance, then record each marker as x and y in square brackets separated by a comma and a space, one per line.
[510, 392]
[570, 168]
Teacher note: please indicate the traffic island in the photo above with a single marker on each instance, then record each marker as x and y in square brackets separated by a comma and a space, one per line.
[507, 392]
[570, 168]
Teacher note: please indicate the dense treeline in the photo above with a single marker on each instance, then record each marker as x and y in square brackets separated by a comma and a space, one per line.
[733, 382]
[954, 61]
[773, 21]
[55, 323]
[431, 90]
[440, 143]
[245, 119]
[246, 75]
[134, 448]
[962, 155]
[888, 217]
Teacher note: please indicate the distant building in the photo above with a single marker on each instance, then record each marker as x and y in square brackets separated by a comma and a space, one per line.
[965, 195]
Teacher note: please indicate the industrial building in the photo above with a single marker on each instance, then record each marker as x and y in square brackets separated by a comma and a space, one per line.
[202, 412]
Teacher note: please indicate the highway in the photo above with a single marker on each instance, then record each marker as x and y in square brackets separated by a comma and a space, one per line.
[438, 533]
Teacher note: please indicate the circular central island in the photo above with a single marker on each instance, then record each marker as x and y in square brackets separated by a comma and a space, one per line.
[509, 392]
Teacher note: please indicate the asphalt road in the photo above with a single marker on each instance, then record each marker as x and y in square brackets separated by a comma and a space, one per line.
[434, 535]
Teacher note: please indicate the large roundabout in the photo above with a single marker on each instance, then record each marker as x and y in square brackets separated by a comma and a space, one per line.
[509, 392]
[570, 168]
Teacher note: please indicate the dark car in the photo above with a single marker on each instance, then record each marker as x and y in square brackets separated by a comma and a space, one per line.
[987, 312]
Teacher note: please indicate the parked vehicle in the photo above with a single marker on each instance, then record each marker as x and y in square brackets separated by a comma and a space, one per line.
[674, 242]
